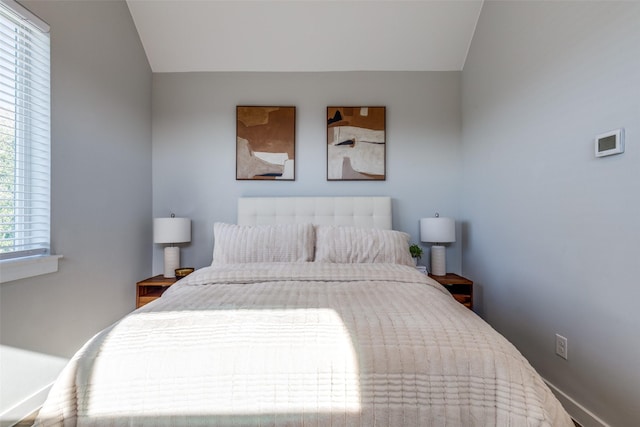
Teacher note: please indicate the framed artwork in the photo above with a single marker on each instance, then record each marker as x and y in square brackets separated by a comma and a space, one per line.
[265, 143]
[356, 144]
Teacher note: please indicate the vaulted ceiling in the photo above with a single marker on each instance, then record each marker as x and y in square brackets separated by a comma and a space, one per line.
[305, 35]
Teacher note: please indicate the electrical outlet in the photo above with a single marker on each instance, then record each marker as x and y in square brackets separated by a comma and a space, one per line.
[561, 346]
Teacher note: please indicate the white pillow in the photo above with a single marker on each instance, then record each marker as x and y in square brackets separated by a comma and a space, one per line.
[235, 244]
[361, 245]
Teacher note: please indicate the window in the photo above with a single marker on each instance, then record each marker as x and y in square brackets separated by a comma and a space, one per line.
[25, 138]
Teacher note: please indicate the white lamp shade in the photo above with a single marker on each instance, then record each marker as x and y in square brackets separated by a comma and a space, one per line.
[171, 230]
[437, 230]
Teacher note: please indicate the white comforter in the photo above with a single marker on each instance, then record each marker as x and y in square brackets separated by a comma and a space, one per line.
[302, 344]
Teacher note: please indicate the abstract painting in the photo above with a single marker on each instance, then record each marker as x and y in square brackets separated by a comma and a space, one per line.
[356, 146]
[265, 143]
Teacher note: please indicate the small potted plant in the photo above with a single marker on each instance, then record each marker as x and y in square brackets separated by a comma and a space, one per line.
[416, 253]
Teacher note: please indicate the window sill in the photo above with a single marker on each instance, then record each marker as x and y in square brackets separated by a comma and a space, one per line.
[21, 268]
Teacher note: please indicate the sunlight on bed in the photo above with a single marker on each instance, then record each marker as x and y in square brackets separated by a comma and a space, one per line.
[230, 361]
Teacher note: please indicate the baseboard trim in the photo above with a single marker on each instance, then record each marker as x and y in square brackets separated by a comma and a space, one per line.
[24, 408]
[579, 413]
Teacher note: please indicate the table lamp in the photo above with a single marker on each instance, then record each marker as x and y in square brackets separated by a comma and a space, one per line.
[171, 231]
[438, 230]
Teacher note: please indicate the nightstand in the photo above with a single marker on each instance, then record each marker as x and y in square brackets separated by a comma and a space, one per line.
[149, 289]
[460, 287]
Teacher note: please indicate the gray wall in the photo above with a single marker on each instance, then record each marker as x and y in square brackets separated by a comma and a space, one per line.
[101, 181]
[194, 145]
[553, 232]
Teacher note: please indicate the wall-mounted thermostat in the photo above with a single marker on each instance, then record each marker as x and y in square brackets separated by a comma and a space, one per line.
[610, 143]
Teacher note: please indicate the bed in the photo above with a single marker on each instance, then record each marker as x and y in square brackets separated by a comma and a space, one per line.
[310, 314]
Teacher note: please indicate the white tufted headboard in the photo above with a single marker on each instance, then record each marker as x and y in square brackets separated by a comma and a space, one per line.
[371, 212]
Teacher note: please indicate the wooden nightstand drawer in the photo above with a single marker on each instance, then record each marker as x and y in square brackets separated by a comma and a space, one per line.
[147, 294]
[152, 288]
[463, 299]
[460, 287]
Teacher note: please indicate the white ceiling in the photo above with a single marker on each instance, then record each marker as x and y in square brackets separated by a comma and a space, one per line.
[305, 35]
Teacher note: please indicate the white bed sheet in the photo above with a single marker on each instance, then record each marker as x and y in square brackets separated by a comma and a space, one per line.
[302, 344]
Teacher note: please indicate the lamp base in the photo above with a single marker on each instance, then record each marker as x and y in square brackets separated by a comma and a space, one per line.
[171, 261]
[438, 261]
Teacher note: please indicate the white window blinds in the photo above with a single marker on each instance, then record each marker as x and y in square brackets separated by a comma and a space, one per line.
[24, 133]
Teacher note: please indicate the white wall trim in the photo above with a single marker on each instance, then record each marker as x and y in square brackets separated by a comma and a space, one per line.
[24, 408]
[21, 268]
[579, 413]
[26, 377]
